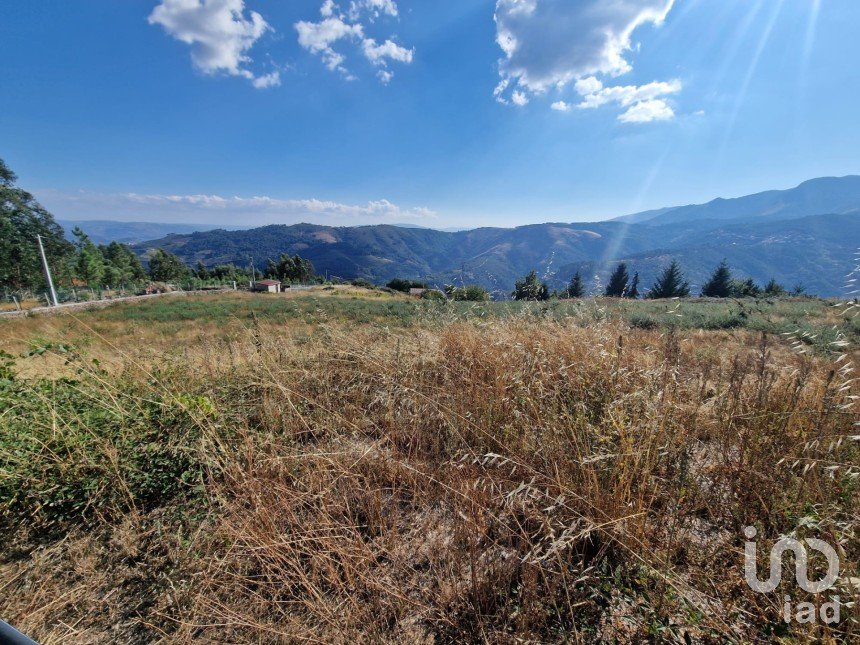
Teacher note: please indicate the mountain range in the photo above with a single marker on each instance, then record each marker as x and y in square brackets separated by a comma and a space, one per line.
[813, 197]
[106, 231]
[806, 235]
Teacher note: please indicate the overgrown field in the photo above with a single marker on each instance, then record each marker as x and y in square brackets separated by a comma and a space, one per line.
[350, 467]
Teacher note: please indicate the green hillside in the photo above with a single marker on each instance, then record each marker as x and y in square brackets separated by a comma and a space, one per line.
[815, 251]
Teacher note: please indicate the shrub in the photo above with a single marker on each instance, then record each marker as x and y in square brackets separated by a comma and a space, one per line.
[745, 288]
[774, 289]
[113, 450]
[469, 293]
[399, 284]
[643, 322]
[433, 294]
[530, 287]
[728, 321]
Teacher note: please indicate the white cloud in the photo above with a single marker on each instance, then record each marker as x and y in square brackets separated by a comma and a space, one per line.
[550, 44]
[218, 209]
[318, 38]
[267, 80]
[561, 106]
[376, 8]
[645, 103]
[624, 95]
[588, 85]
[339, 26]
[499, 92]
[519, 98]
[219, 33]
[647, 111]
[377, 54]
[328, 8]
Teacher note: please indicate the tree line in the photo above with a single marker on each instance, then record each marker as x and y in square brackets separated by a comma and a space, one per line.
[671, 283]
[81, 262]
[168, 267]
[22, 218]
[77, 263]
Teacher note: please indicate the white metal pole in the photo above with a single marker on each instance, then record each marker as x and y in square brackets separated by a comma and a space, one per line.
[47, 272]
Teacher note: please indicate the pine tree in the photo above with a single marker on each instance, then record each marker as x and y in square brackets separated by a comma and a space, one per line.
[617, 286]
[201, 270]
[576, 288]
[774, 289]
[633, 289]
[671, 284]
[308, 271]
[530, 288]
[21, 220]
[745, 289]
[135, 268]
[292, 269]
[719, 285]
[90, 263]
[166, 267]
[271, 271]
[121, 265]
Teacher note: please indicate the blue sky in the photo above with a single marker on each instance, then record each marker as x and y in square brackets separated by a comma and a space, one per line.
[442, 113]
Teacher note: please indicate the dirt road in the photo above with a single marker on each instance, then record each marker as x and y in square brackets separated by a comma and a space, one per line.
[96, 304]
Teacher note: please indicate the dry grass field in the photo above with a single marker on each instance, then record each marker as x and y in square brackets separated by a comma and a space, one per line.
[353, 466]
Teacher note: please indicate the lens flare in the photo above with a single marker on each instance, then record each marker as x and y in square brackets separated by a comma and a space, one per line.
[741, 97]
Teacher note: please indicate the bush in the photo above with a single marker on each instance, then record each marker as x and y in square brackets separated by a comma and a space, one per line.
[102, 460]
[728, 321]
[433, 294]
[399, 284]
[469, 293]
[746, 288]
[643, 322]
[530, 288]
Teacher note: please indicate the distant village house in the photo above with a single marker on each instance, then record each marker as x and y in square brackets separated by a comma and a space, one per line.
[267, 286]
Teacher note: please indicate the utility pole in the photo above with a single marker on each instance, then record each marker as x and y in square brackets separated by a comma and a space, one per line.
[47, 272]
[253, 271]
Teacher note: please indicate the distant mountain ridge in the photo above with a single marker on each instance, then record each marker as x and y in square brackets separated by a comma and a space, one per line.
[777, 234]
[812, 251]
[104, 231]
[839, 195]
